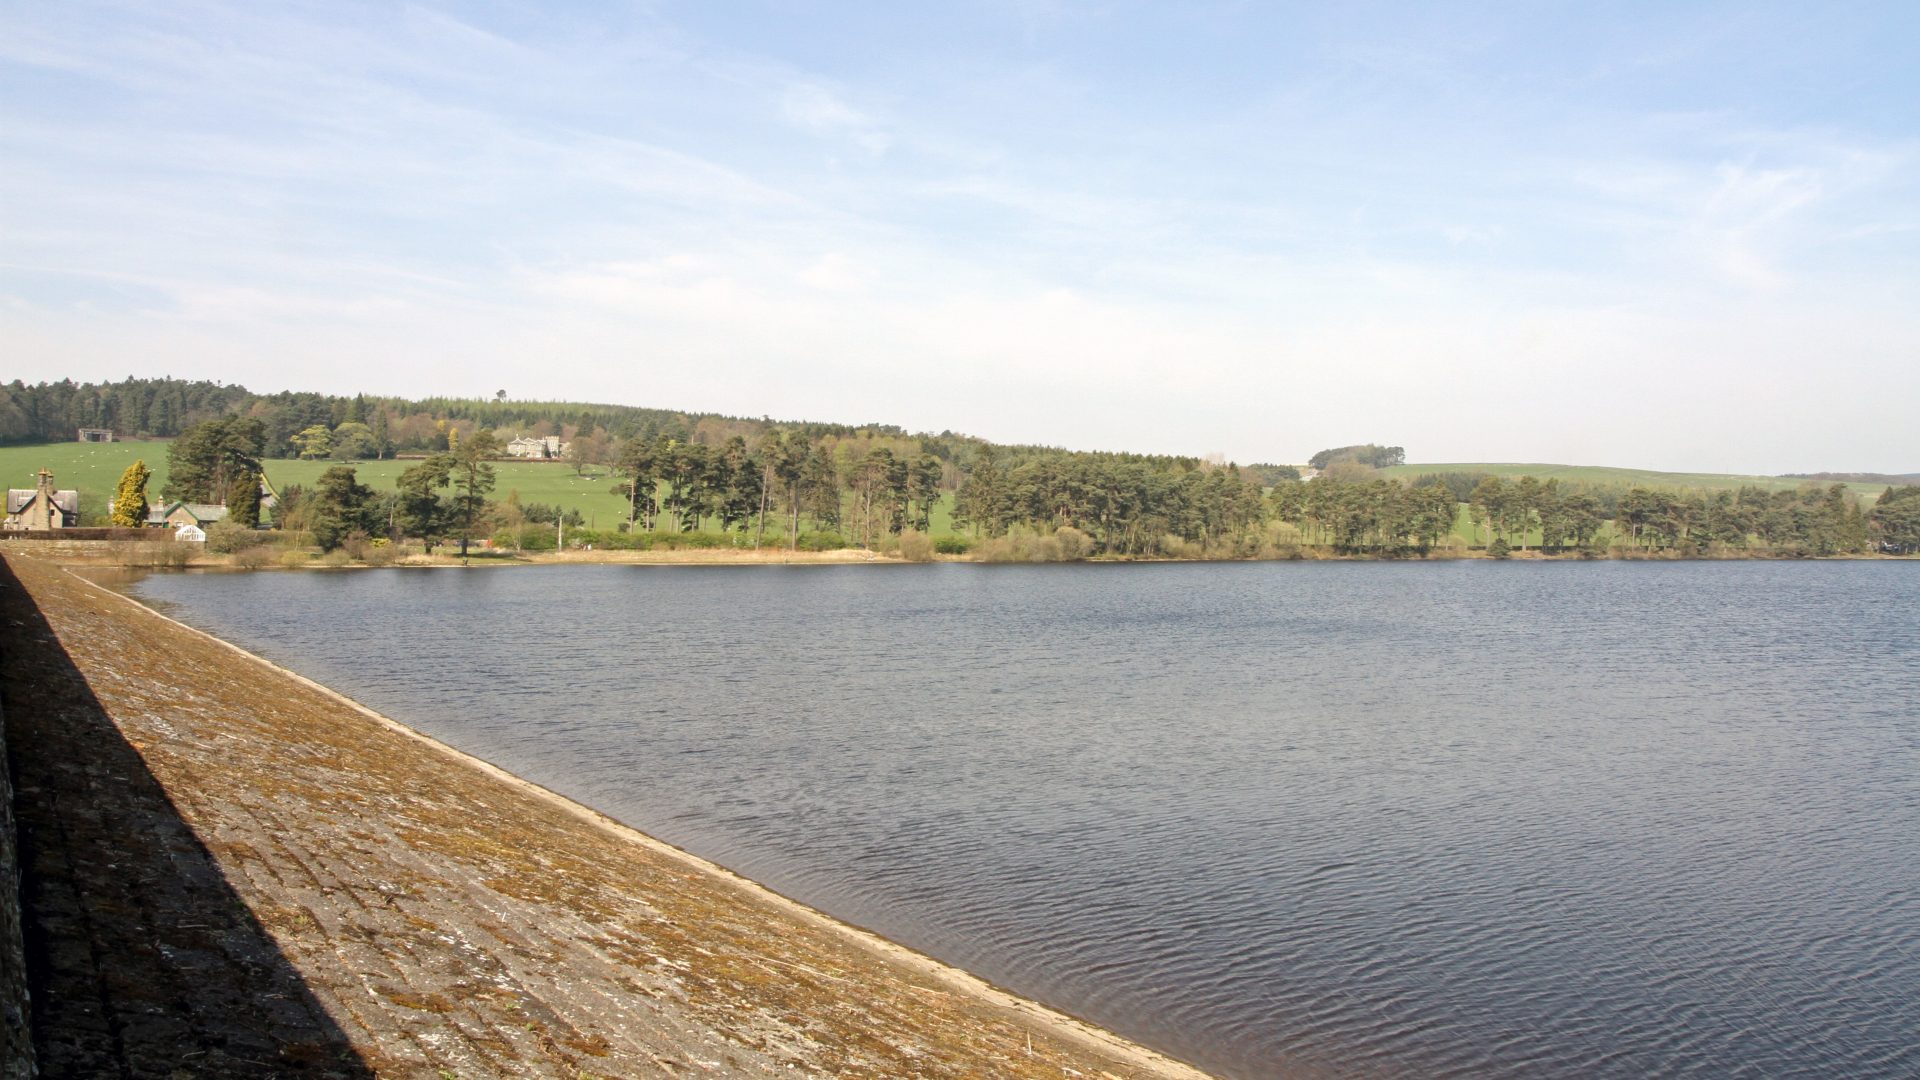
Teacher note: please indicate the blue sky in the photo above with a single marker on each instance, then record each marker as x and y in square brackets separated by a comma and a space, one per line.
[1668, 235]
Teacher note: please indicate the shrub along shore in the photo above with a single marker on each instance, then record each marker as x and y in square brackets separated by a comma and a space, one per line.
[1030, 549]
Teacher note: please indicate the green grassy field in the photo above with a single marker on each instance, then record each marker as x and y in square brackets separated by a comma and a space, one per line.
[1475, 536]
[94, 469]
[1603, 474]
[550, 482]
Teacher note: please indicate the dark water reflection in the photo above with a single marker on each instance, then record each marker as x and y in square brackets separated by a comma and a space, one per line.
[1470, 819]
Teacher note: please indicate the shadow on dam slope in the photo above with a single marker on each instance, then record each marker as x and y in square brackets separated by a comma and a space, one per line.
[141, 958]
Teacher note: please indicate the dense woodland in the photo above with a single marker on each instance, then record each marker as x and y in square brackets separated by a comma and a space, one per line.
[704, 478]
[1813, 520]
[376, 427]
[1369, 454]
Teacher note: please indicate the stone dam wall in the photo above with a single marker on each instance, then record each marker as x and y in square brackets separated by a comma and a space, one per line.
[230, 870]
[16, 1042]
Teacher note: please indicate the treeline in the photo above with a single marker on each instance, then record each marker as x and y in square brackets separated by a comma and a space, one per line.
[1371, 455]
[1813, 520]
[1893, 479]
[358, 427]
[1462, 485]
[1810, 521]
[1128, 504]
[872, 485]
[875, 489]
[1116, 507]
[1268, 474]
[52, 412]
[804, 484]
[855, 486]
[1366, 516]
[686, 472]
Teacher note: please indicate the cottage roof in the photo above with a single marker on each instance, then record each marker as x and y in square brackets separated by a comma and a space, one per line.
[202, 512]
[67, 500]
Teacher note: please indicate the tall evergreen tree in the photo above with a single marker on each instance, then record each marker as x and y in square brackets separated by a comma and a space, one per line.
[470, 467]
[243, 501]
[208, 458]
[420, 512]
[130, 496]
[339, 506]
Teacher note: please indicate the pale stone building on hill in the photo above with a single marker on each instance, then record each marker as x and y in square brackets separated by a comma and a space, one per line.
[529, 446]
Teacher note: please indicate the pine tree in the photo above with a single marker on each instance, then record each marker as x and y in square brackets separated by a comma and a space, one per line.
[243, 500]
[340, 506]
[473, 477]
[130, 498]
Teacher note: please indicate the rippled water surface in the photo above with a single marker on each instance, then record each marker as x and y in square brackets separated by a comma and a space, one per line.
[1460, 819]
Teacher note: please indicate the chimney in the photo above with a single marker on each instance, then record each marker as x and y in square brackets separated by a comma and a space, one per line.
[46, 498]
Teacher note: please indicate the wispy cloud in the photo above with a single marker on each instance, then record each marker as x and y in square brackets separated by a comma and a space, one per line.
[1096, 224]
[819, 110]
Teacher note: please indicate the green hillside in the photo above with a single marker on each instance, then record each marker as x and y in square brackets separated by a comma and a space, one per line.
[551, 482]
[1603, 474]
[94, 469]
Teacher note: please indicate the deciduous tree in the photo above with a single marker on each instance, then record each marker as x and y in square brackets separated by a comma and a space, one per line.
[313, 442]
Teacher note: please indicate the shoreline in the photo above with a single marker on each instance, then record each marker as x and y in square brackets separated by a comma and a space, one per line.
[1308, 553]
[1060, 1033]
[168, 554]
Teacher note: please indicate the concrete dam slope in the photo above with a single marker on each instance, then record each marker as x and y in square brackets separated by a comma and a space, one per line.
[228, 870]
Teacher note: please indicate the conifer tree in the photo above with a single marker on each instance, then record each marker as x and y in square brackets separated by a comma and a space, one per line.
[243, 500]
[130, 498]
[340, 506]
[473, 477]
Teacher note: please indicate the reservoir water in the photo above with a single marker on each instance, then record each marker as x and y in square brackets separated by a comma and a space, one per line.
[1322, 819]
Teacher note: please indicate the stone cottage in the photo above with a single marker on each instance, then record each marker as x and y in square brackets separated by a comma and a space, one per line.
[42, 509]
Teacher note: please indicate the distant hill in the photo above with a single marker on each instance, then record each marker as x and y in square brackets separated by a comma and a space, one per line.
[1608, 475]
[1857, 477]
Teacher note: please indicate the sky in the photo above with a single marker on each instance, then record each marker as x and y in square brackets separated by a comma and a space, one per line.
[1670, 235]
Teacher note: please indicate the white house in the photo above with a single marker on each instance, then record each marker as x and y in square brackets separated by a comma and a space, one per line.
[528, 446]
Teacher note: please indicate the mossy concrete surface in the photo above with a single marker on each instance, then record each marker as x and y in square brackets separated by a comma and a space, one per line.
[232, 871]
[16, 1038]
